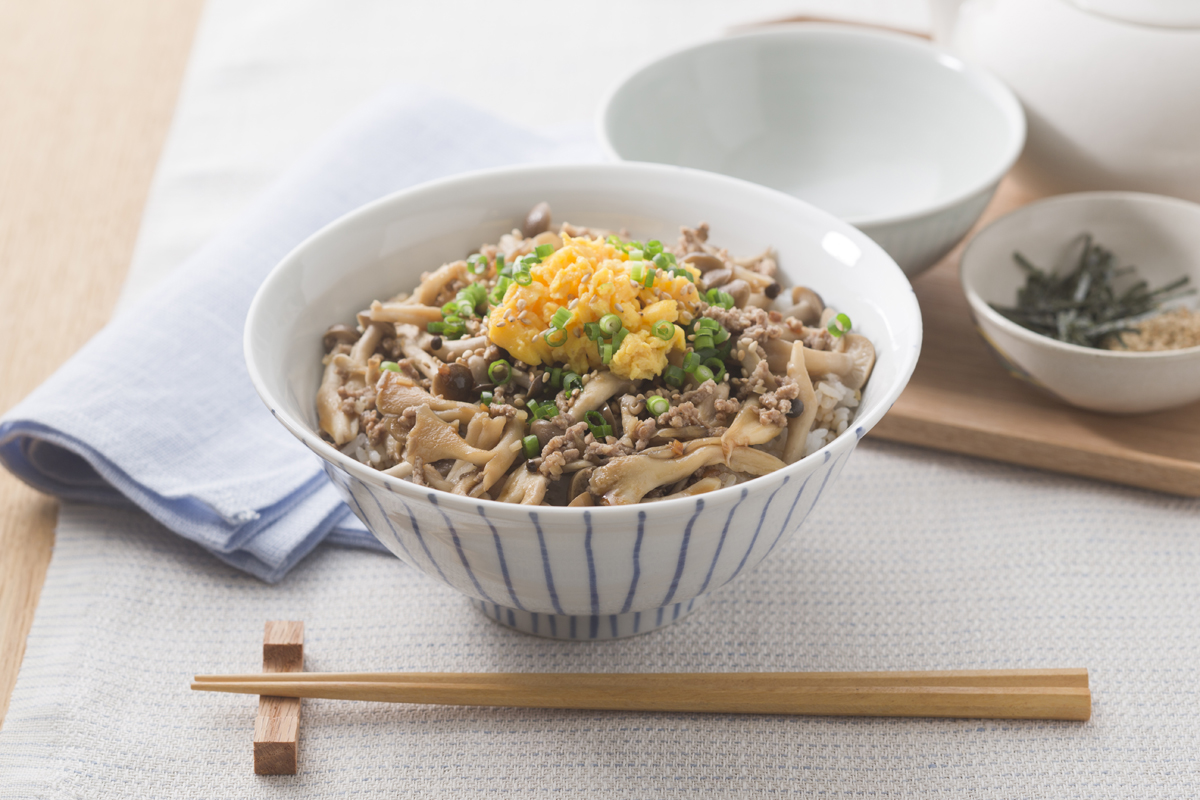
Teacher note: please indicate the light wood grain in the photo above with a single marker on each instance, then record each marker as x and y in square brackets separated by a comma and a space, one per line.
[994, 695]
[86, 91]
[961, 399]
[277, 726]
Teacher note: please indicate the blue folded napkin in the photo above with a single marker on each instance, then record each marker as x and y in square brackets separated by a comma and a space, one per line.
[157, 409]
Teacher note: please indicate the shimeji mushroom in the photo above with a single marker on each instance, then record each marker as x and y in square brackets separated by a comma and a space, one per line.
[396, 393]
[432, 440]
[799, 426]
[807, 306]
[404, 314]
[627, 479]
[407, 336]
[706, 263]
[452, 350]
[347, 371]
[432, 284]
[747, 429]
[702, 486]
[523, 486]
[853, 364]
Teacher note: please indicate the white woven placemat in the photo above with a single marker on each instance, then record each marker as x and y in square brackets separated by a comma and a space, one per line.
[913, 560]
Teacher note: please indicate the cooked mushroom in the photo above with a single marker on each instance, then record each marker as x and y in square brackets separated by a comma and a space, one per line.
[396, 393]
[747, 429]
[407, 336]
[431, 285]
[404, 314]
[778, 352]
[545, 430]
[853, 365]
[599, 388]
[582, 500]
[340, 426]
[454, 382]
[523, 487]
[740, 291]
[807, 306]
[431, 440]
[704, 262]
[717, 277]
[754, 462]
[339, 334]
[799, 426]
[710, 484]
[579, 483]
[627, 479]
[537, 220]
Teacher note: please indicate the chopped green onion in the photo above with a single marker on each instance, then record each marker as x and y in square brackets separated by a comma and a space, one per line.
[543, 410]
[669, 256]
[680, 272]
[616, 242]
[555, 337]
[690, 362]
[635, 244]
[657, 405]
[705, 323]
[702, 374]
[499, 261]
[597, 424]
[619, 337]
[610, 324]
[661, 261]
[663, 330]
[543, 250]
[720, 336]
[477, 264]
[485, 399]
[703, 341]
[592, 329]
[674, 376]
[532, 446]
[450, 308]
[606, 353]
[497, 295]
[707, 353]
[717, 366]
[556, 377]
[523, 278]
[638, 271]
[636, 255]
[465, 308]
[436, 327]
[654, 247]
[390, 366]
[570, 381]
[499, 372]
[649, 277]
[560, 318]
[840, 326]
[725, 300]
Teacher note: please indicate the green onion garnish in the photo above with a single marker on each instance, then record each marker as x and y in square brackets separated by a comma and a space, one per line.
[497, 295]
[560, 318]
[619, 337]
[390, 366]
[702, 374]
[500, 372]
[725, 300]
[556, 377]
[707, 324]
[707, 353]
[663, 330]
[649, 277]
[690, 362]
[717, 367]
[703, 341]
[597, 424]
[674, 376]
[636, 255]
[499, 261]
[616, 242]
[523, 278]
[477, 264]
[638, 271]
[720, 336]
[610, 324]
[485, 399]
[661, 261]
[657, 405]
[839, 326]
[436, 327]
[653, 247]
[606, 353]
[555, 337]
[543, 250]
[450, 308]
[571, 381]
[532, 446]
[592, 329]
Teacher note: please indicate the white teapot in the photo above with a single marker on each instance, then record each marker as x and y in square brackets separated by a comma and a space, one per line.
[1111, 88]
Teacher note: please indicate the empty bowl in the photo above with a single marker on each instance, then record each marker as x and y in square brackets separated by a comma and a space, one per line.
[883, 130]
[583, 573]
[1158, 235]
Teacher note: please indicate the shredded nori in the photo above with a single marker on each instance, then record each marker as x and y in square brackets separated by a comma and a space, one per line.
[1083, 306]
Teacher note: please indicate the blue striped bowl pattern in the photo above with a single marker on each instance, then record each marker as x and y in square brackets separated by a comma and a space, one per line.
[574, 573]
[604, 573]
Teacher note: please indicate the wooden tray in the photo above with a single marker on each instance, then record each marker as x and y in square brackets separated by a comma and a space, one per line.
[960, 399]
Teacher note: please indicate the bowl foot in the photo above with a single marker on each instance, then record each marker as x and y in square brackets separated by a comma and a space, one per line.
[587, 627]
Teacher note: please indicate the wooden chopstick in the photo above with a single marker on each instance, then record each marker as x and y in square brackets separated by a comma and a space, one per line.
[997, 694]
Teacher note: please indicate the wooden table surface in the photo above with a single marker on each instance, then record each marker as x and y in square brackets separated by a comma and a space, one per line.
[87, 91]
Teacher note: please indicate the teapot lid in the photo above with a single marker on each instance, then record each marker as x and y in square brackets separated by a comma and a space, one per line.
[1156, 13]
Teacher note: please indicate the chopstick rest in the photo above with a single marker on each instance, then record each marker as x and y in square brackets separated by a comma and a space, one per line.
[996, 694]
[277, 726]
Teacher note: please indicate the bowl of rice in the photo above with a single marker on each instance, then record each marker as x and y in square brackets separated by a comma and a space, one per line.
[586, 397]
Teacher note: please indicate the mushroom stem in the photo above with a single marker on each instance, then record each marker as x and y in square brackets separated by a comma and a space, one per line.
[798, 427]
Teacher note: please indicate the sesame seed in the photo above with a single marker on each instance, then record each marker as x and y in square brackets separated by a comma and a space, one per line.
[617, 306]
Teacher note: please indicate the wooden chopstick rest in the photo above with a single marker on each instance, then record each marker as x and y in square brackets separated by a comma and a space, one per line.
[277, 726]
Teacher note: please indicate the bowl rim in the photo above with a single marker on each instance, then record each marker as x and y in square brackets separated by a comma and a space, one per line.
[327, 452]
[980, 307]
[992, 87]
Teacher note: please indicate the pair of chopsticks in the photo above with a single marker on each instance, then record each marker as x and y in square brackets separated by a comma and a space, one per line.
[995, 694]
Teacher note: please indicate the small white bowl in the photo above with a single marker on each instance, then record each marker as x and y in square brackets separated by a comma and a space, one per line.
[577, 573]
[885, 131]
[1159, 235]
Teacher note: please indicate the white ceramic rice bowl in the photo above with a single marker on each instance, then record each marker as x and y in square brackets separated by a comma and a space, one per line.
[602, 572]
[883, 130]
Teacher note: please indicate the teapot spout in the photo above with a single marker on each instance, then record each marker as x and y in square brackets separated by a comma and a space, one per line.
[944, 15]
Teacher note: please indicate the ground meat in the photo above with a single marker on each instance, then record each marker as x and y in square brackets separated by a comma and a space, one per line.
[681, 416]
[693, 240]
[641, 435]
[602, 451]
[727, 408]
[760, 381]
[750, 322]
[775, 406]
[562, 450]
[373, 425]
[502, 410]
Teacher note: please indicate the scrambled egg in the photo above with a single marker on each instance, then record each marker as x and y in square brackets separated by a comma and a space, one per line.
[591, 279]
